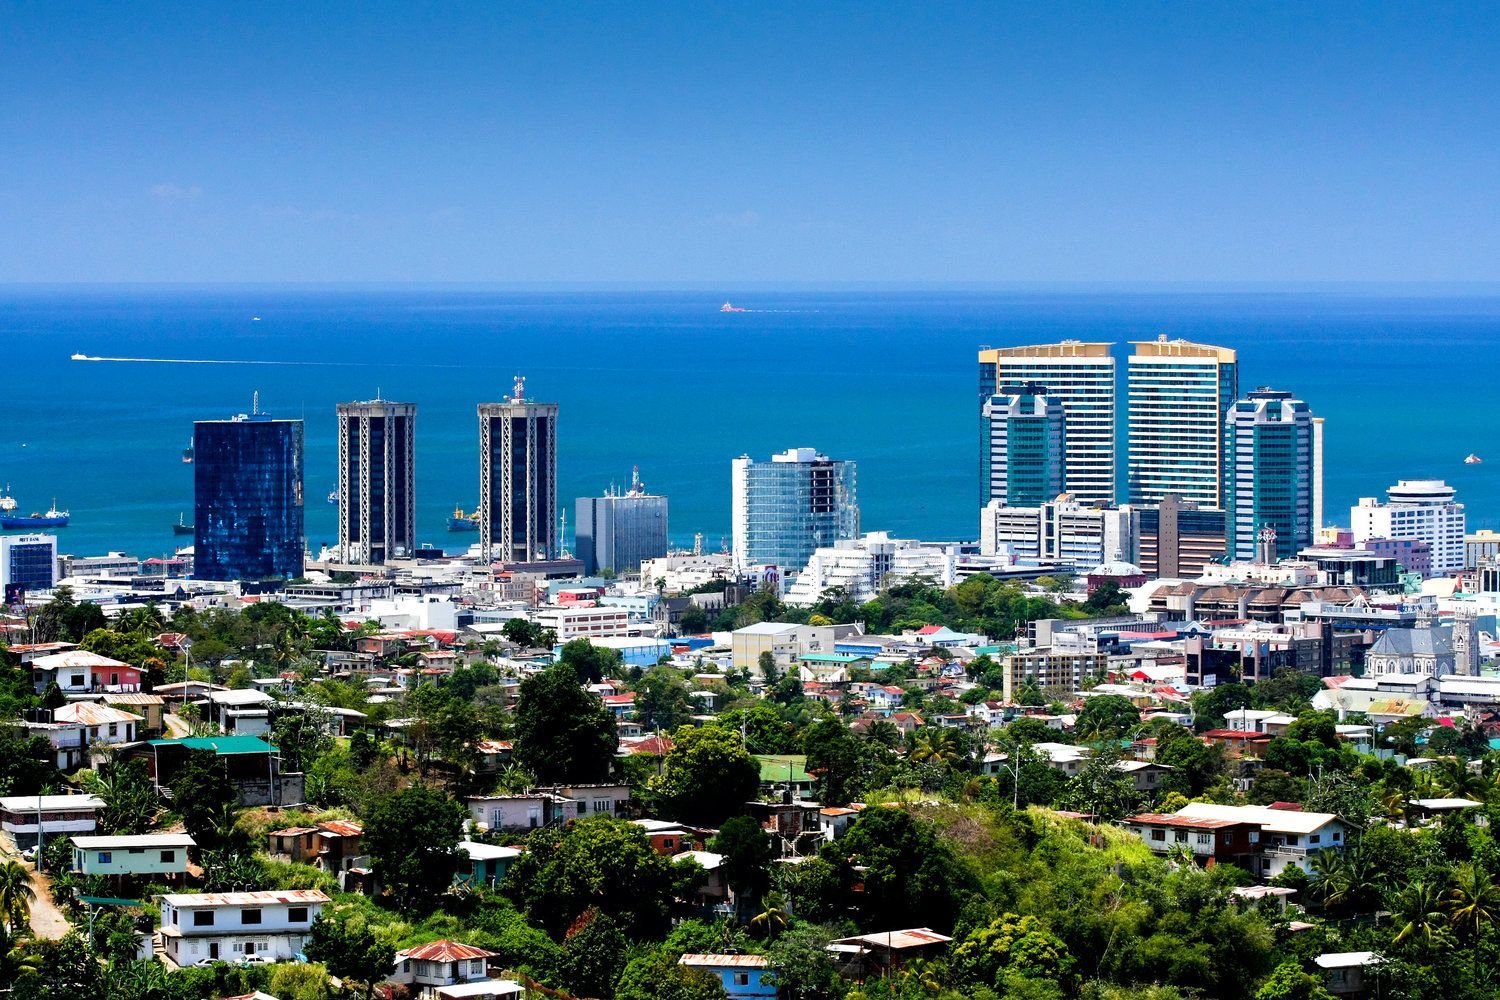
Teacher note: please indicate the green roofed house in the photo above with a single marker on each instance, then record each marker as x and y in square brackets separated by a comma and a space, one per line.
[254, 766]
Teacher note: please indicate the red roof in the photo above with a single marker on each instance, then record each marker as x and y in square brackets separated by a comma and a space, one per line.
[446, 951]
[1235, 734]
[929, 630]
[1168, 819]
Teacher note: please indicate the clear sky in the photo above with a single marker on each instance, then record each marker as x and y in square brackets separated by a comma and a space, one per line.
[656, 143]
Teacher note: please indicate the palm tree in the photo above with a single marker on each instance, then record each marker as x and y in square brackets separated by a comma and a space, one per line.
[16, 895]
[1473, 903]
[1393, 805]
[773, 915]
[1419, 910]
[14, 960]
[936, 746]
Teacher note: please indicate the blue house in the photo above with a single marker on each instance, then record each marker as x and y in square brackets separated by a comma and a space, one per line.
[741, 975]
[487, 863]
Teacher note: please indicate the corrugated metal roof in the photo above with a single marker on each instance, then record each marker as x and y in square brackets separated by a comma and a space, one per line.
[444, 951]
[270, 897]
[725, 961]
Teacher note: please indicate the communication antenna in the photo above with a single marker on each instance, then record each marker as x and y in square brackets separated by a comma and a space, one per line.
[255, 403]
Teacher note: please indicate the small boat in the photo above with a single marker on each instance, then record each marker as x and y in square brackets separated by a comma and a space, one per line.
[727, 308]
[255, 319]
[7, 502]
[54, 518]
[463, 522]
[80, 357]
[1473, 460]
[182, 527]
[333, 496]
[187, 453]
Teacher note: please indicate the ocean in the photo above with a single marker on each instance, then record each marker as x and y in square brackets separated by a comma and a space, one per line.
[666, 382]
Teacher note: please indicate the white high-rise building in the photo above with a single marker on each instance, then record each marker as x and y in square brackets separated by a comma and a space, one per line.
[860, 567]
[1423, 509]
[1075, 535]
[1178, 395]
[1082, 376]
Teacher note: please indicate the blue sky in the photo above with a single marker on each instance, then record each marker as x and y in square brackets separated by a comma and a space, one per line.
[655, 143]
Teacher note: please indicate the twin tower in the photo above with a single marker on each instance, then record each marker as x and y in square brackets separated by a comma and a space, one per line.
[1051, 426]
[517, 480]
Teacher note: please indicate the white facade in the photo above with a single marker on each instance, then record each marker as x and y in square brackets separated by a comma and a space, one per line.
[224, 926]
[1178, 394]
[1083, 377]
[574, 621]
[1063, 532]
[1423, 509]
[861, 567]
[23, 816]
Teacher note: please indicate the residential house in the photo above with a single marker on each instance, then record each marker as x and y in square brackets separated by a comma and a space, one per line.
[1348, 973]
[1288, 836]
[1210, 841]
[229, 925]
[155, 855]
[439, 968]
[514, 812]
[253, 765]
[869, 954]
[332, 845]
[669, 839]
[75, 728]
[241, 712]
[487, 863]
[1146, 775]
[714, 889]
[835, 821]
[25, 817]
[78, 671]
[150, 707]
[744, 977]
[605, 799]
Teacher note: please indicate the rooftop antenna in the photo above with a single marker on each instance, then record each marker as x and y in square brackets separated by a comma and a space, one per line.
[520, 389]
[255, 403]
[635, 479]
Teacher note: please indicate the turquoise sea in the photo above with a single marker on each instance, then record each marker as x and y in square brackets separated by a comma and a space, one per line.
[665, 381]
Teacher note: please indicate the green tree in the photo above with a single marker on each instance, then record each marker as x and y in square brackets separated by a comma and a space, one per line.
[599, 863]
[661, 699]
[350, 950]
[593, 955]
[591, 663]
[16, 896]
[412, 836]
[802, 968]
[564, 733]
[657, 976]
[1420, 917]
[747, 852]
[206, 799]
[300, 981]
[1107, 717]
[835, 759]
[1289, 982]
[910, 876]
[707, 776]
[129, 797]
[1012, 945]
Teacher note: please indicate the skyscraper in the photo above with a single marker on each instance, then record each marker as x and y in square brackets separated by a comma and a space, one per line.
[1270, 458]
[518, 479]
[1024, 444]
[617, 531]
[1082, 377]
[1423, 509]
[1178, 395]
[247, 498]
[785, 509]
[377, 481]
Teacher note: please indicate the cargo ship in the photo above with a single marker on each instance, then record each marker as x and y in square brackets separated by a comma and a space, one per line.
[7, 502]
[181, 527]
[727, 308]
[463, 522]
[54, 518]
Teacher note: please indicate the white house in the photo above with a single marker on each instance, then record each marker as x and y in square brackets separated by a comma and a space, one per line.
[23, 816]
[443, 969]
[1287, 836]
[198, 927]
[241, 712]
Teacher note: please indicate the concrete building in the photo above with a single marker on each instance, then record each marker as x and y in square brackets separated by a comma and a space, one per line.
[785, 642]
[585, 620]
[1176, 538]
[785, 509]
[1023, 453]
[377, 489]
[28, 563]
[1056, 673]
[1082, 376]
[1271, 448]
[861, 567]
[235, 925]
[1178, 393]
[151, 855]
[1423, 509]
[518, 479]
[1062, 531]
[1479, 546]
[618, 532]
[26, 817]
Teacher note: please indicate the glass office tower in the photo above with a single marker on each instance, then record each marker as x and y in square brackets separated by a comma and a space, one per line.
[618, 531]
[1024, 444]
[247, 498]
[785, 509]
[1270, 456]
[1178, 395]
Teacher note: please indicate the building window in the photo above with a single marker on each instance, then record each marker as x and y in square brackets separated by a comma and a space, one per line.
[1315, 838]
[106, 857]
[742, 979]
[297, 915]
[249, 916]
[1204, 838]
[168, 857]
[203, 918]
[1159, 835]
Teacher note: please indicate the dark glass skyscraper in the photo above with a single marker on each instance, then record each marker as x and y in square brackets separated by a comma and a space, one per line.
[377, 481]
[619, 530]
[247, 498]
